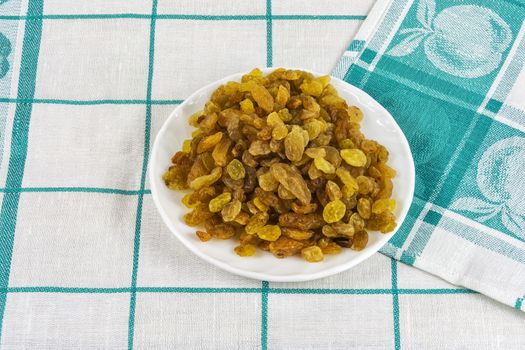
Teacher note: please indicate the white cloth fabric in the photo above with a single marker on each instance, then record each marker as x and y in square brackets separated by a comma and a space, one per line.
[87, 262]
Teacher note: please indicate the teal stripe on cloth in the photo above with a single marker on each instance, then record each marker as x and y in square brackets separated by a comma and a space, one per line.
[269, 290]
[356, 45]
[519, 303]
[269, 34]
[395, 305]
[19, 140]
[264, 315]
[89, 102]
[140, 201]
[190, 17]
[75, 189]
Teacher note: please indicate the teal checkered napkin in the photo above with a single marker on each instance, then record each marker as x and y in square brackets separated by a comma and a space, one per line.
[453, 76]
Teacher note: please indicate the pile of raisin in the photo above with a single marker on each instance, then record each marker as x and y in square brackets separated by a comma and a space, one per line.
[279, 163]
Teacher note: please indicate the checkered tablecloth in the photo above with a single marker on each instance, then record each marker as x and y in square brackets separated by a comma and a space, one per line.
[85, 260]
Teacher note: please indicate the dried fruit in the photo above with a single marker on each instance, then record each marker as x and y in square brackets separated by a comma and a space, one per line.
[315, 152]
[269, 232]
[262, 97]
[285, 246]
[230, 211]
[312, 87]
[242, 218]
[298, 235]
[259, 148]
[279, 132]
[333, 191]
[330, 248]
[245, 250]
[382, 205]
[312, 254]
[220, 201]
[256, 221]
[364, 207]
[365, 184]
[357, 222]
[222, 231]
[314, 128]
[342, 229]
[344, 242]
[206, 180]
[329, 231]
[283, 95]
[220, 152]
[203, 236]
[304, 209]
[354, 157]
[324, 165]
[186, 146]
[334, 211]
[346, 143]
[268, 182]
[302, 222]
[360, 240]
[294, 145]
[262, 147]
[247, 106]
[209, 142]
[284, 193]
[292, 181]
[260, 205]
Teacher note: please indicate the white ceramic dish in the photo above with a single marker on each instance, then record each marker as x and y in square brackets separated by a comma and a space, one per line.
[377, 124]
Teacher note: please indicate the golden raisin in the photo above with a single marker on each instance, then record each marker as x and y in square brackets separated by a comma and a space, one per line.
[203, 236]
[334, 211]
[294, 145]
[236, 170]
[206, 180]
[357, 222]
[247, 106]
[364, 207]
[331, 248]
[292, 181]
[256, 221]
[315, 152]
[209, 142]
[312, 87]
[346, 143]
[284, 193]
[245, 250]
[242, 218]
[382, 205]
[333, 191]
[298, 235]
[230, 211]
[312, 254]
[222, 231]
[284, 247]
[279, 132]
[269, 232]
[220, 201]
[360, 240]
[283, 95]
[221, 151]
[354, 157]
[262, 97]
[268, 182]
[324, 165]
